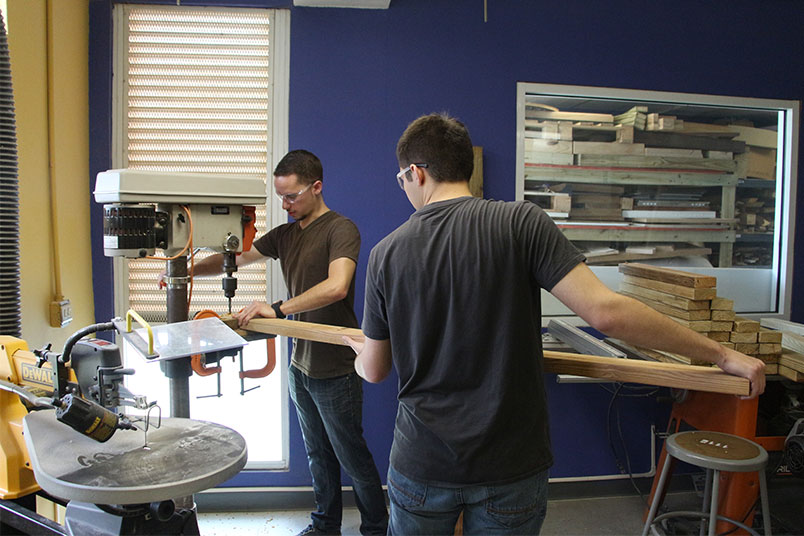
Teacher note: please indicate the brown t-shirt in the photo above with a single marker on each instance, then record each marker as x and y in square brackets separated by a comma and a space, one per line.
[305, 255]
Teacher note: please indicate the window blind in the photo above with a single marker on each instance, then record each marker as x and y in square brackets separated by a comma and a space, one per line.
[196, 98]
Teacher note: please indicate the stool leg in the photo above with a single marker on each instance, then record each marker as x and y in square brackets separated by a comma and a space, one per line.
[657, 496]
[713, 508]
[763, 494]
[707, 495]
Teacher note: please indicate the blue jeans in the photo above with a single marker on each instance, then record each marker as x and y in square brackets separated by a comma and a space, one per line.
[331, 418]
[420, 508]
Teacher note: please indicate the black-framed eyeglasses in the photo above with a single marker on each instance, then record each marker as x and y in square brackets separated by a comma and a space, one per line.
[291, 198]
[402, 173]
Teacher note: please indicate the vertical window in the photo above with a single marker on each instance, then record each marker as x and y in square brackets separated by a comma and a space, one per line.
[696, 181]
[194, 91]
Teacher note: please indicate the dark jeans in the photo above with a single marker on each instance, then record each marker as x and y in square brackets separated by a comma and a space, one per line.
[330, 415]
[419, 508]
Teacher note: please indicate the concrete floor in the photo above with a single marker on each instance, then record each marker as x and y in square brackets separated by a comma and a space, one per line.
[566, 517]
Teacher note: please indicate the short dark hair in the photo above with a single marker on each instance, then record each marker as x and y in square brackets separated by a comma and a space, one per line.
[440, 141]
[304, 164]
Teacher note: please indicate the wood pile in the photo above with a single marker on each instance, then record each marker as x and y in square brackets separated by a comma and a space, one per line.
[791, 362]
[650, 157]
[691, 300]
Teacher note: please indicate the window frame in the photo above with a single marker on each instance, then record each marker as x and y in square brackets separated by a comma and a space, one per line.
[279, 81]
[787, 164]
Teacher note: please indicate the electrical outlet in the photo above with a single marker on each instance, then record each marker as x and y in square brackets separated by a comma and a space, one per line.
[61, 313]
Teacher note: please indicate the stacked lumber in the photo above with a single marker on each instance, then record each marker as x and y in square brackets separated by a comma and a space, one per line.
[791, 362]
[663, 122]
[691, 300]
[636, 117]
[582, 148]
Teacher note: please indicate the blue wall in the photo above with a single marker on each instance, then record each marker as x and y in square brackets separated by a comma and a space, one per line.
[357, 77]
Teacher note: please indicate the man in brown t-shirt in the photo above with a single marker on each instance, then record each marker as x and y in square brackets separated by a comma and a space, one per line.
[318, 253]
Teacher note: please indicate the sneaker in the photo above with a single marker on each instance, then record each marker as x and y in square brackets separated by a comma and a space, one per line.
[313, 530]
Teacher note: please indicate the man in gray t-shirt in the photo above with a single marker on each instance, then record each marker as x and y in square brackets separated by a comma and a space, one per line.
[318, 253]
[453, 303]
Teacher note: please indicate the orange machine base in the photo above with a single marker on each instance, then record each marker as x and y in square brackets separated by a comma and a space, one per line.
[728, 414]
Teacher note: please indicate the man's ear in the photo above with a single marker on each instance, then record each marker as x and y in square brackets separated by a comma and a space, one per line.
[318, 186]
[419, 175]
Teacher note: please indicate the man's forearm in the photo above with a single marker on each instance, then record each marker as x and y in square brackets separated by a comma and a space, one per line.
[636, 323]
[316, 297]
[212, 265]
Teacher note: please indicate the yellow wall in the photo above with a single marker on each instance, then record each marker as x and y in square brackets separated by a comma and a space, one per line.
[28, 50]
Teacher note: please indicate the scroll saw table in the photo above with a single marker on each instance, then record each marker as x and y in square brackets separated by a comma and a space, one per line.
[181, 457]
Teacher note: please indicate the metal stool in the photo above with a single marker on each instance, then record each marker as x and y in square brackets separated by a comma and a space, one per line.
[716, 452]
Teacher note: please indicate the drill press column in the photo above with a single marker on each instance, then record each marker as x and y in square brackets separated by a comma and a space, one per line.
[179, 370]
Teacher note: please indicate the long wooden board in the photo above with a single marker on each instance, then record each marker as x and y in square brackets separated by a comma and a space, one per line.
[686, 141]
[678, 290]
[665, 298]
[622, 370]
[668, 275]
[669, 310]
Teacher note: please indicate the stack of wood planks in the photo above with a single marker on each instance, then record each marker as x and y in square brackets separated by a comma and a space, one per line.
[691, 300]
[791, 362]
[640, 149]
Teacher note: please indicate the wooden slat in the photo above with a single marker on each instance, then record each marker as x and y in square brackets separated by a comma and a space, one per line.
[615, 258]
[792, 360]
[722, 325]
[622, 370]
[668, 275]
[669, 310]
[722, 304]
[719, 315]
[794, 342]
[701, 326]
[667, 299]
[758, 137]
[670, 288]
[769, 335]
[782, 325]
[686, 141]
[635, 177]
[663, 162]
[601, 147]
[669, 357]
[719, 336]
[749, 337]
[791, 374]
[549, 146]
[546, 115]
[745, 325]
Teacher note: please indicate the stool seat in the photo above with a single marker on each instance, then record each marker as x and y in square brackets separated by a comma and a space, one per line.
[714, 451]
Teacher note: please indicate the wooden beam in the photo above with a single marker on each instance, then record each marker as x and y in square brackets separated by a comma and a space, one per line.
[669, 275]
[685, 141]
[679, 290]
[665, 298]
[611, 368]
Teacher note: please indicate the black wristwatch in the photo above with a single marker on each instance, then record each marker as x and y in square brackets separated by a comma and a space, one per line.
[276, 306]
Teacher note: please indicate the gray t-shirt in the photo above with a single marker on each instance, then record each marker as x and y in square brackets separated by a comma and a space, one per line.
[456, 289]
[305, 255]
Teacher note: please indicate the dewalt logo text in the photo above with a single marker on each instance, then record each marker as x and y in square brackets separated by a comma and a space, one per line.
[34, 374]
